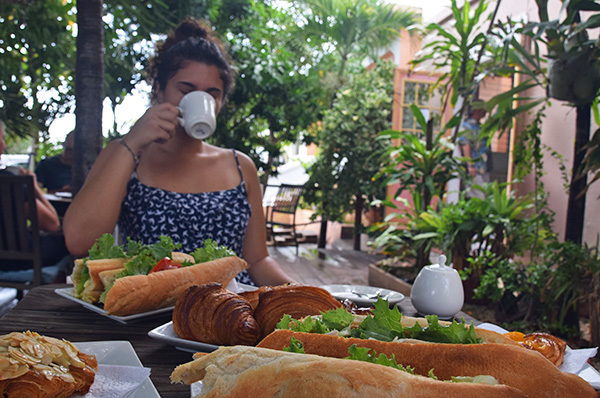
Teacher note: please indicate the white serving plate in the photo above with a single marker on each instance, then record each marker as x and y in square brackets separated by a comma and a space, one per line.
[363, 295]
[166, 334]
[67, 293]
[119, 353]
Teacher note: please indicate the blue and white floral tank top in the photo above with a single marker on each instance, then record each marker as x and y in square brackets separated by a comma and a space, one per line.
[188, 218]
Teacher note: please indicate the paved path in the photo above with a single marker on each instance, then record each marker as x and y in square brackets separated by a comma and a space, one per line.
[336, 264]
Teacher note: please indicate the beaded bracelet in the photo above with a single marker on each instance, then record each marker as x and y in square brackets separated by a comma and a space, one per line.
[135, 157]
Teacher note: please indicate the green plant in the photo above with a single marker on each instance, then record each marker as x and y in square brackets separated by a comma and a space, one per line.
[543, 294]
[459, 47]
[573, 68]
[343, 176]
[572, 75]
[421, 167]
[471, 226]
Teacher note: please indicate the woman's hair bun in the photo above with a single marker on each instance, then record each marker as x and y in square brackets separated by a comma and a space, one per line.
[190, 28]
[191, 40]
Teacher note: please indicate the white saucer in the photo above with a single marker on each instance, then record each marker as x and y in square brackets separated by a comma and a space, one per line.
[363, 296]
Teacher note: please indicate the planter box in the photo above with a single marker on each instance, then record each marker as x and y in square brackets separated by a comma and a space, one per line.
[380, 278]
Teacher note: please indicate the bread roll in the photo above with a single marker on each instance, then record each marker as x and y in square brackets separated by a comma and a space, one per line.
[512, 365]
[142, 293]
[243, 372]
[212, 314]
[94, 287]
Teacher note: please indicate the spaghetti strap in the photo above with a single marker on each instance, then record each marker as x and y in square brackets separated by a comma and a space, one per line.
[238, 164]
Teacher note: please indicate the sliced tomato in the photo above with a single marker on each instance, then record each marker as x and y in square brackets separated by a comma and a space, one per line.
[165, 264]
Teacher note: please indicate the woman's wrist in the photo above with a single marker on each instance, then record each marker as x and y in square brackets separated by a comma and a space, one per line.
[135, 156]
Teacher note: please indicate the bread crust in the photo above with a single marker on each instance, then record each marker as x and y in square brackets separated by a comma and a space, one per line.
[241, 371]
[141, 293]
[94, 287]
[515, 366]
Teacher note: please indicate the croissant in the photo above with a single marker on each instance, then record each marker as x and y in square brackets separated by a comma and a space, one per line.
[253, 295]
[297, 301]
[214, 315]
[34, 366]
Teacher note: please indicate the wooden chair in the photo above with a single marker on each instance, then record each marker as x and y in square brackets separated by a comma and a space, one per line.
[20, 236]
[286, 203]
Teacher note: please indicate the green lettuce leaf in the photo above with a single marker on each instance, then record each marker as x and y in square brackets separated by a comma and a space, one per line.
[105, 247]
[85, 276]
[363, 354]
[384, 325]
[211, 251]
[455, 333]
[308, 325]
[337, 319]
[295, 346]
[146, 256]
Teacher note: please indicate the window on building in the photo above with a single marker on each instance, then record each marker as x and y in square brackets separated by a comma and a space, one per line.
[428, 100]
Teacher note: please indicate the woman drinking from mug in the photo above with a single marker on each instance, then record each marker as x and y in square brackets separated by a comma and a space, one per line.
[158, 180]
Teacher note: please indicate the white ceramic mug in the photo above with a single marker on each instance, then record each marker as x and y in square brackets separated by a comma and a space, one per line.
[198, 114]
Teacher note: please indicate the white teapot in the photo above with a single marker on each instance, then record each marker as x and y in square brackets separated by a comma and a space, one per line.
[438, 290]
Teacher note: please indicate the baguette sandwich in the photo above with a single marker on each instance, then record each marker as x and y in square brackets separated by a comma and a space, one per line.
[427, 345]
[242, 371]
[148, 277]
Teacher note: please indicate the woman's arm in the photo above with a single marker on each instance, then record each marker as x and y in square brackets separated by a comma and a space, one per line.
[96, 207]
[264, 270]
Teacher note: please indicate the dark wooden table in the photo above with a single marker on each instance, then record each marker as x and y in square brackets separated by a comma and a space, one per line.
[45, 312]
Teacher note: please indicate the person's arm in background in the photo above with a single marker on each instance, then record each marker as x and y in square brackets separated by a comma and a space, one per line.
[466, 150]
[96, 207]
[264, 270]
[48, 219]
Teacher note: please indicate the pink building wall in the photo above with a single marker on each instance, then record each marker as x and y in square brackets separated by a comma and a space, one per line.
[558, 130]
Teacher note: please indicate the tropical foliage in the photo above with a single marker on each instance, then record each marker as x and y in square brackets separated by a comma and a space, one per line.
[36, 67]
[421, 167]
[350, 28]
[344, 32]
[504, 245]
[342, 178]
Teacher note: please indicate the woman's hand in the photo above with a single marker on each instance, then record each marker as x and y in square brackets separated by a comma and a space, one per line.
[157, 124]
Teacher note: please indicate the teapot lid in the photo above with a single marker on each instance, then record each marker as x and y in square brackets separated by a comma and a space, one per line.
[441, 266]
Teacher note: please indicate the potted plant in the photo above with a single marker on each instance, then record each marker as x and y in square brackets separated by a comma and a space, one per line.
[573, 68]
